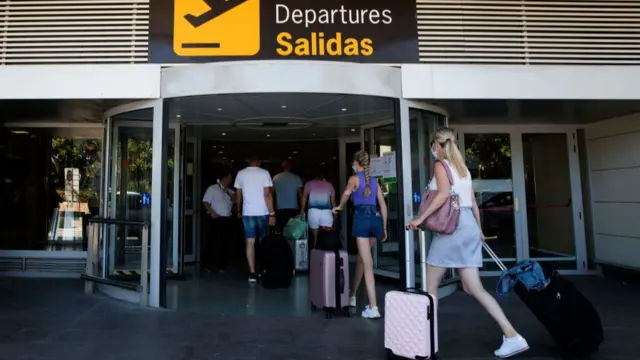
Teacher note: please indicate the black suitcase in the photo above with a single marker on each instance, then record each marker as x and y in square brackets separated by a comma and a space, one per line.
[568, 316]
[277, 262]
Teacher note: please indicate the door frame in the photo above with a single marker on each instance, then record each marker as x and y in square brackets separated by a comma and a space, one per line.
[190, 137]
[412, 278]
[342, 180]
[517, 167]
[111, 166]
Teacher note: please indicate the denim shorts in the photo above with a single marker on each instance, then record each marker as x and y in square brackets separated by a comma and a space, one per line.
[366, 222]
[256, 226]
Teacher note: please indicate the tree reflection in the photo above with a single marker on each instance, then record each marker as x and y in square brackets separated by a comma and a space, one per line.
[83, 155]
[488, 156]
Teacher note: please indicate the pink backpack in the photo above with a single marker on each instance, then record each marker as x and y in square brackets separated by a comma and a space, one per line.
[445, 219]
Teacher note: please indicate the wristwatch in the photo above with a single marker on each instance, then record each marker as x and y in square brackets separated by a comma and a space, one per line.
[272, 214]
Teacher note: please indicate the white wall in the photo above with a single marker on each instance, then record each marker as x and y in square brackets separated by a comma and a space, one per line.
[80, 81]
[451, 81]
[613, 148]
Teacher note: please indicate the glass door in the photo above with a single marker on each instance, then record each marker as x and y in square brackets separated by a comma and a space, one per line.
[129, 190]
[528, 190]
[489, 157]
[382, 148]
[552, 211]
[190, 201]
[423, 119]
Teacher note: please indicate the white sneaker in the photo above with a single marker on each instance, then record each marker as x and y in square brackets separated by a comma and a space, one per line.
[512, 346]
[371, 312]
[352, 301]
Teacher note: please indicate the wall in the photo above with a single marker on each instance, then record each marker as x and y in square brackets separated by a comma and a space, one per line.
[614, 160]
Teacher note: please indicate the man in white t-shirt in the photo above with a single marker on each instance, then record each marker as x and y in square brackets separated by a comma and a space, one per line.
[255, 205]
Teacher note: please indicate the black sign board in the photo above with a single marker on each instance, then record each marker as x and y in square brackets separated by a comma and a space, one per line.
[366, 31]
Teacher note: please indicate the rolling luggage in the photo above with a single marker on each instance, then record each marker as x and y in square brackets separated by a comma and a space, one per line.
[329, 277]
[276, 262]
[568, 316]
[410, 319]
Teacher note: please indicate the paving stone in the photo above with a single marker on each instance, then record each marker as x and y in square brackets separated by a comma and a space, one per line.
[45, 319]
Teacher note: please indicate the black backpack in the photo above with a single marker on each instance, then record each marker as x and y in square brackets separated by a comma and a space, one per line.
[277, 262]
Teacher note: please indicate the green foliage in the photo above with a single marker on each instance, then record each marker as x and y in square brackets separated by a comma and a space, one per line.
[140, 155]
[493, 153]
[68, 153]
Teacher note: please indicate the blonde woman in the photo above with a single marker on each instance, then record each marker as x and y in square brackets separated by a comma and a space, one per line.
[367, 227]
[462, 250]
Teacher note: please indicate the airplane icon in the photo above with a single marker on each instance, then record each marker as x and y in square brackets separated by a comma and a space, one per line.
[216, 8]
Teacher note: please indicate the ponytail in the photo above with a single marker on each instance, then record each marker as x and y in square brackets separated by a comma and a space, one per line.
[452, 153]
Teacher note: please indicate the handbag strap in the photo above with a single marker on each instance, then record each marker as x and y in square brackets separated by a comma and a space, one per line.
[446, 168]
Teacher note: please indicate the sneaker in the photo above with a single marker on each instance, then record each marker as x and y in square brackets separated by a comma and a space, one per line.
[512, 346]
[371, 312]
[352, 301]
[253, 278]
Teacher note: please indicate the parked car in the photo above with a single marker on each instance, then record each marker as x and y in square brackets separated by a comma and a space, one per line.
[496, 213]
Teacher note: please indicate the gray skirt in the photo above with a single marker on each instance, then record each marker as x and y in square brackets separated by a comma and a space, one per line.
[462, 249]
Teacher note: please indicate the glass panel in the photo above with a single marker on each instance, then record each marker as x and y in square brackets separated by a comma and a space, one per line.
[548, 192]
[387, 253]
[50, 184]
[488, 158]
[189, 179]
[422, 124]
[188, 235]
[132, 197]
[351, 148]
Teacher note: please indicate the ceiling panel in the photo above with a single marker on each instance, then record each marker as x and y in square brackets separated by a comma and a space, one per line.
[280, 117]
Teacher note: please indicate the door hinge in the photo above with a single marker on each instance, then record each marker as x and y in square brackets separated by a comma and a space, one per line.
[584, 265]
[580, 215]
[574, 148]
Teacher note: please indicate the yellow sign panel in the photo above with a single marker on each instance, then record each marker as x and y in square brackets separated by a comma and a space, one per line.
[216, 27]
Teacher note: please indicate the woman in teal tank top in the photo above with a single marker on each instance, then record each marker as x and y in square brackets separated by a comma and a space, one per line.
[367, 227]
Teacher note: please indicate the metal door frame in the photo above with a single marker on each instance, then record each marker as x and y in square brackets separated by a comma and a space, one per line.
[515, 133]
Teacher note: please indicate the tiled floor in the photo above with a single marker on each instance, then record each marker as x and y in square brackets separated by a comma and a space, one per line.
[53, 319]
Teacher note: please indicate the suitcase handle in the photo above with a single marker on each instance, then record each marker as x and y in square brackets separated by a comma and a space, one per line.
[493, 255]
[422, 245]
[415, 290]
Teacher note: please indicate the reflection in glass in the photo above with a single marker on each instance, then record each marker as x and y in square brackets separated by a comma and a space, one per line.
[488, 158]
[384, 142]
[422, 124]
[133, 150]
[548, 193]
[188, 201]
[351, 148]
[50, 185]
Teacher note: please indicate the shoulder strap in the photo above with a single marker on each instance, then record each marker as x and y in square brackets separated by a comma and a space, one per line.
[446, 168]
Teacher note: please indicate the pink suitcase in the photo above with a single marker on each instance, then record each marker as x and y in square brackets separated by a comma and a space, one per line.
[410, 325]
[410, 319]
[329, 277]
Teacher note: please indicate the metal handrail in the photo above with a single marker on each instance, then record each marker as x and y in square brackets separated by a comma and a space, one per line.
[92, 274]
[108, 221]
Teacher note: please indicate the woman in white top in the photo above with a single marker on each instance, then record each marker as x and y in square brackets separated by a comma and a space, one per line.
[462, 250]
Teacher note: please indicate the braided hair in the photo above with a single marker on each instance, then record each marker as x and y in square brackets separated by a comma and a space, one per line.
[362, 158]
